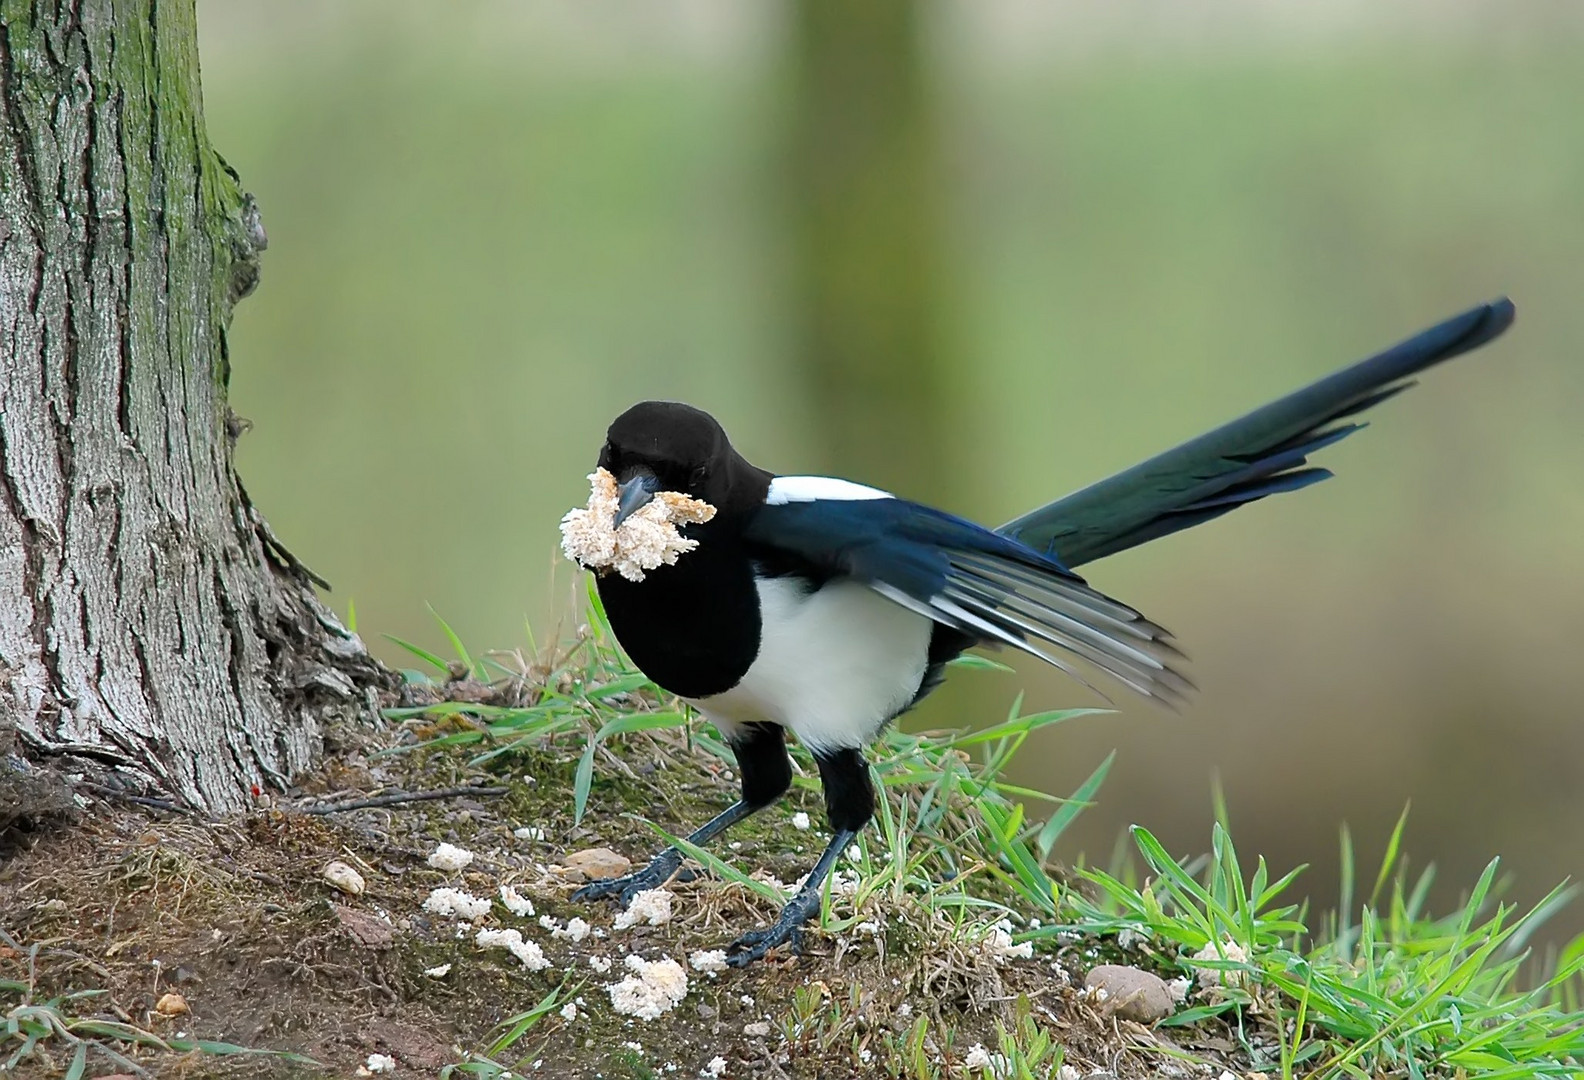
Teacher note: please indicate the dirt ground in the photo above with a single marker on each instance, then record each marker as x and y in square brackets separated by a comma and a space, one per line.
[236, 917]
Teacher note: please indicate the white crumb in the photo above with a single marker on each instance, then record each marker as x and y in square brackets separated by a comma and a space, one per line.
[710, 961]
[576, 930]
[648, 539]
[651, 905]
[529, 952]
[1179, 989]
[516, 902]
[529, 832]
[800, 820]
[380, 1063]
[715, 1069]
[600, 964]
[1069, 1072]
[758, 1029]
[998, 943]
[842, 883]
[1230, 950]
[770, 879]
[438, 972]
[978, 1057]
[651, 990]
[569, 1011]
[450, 858]
[457, 904]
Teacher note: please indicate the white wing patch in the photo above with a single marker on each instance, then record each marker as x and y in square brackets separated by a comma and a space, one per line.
[790, 489]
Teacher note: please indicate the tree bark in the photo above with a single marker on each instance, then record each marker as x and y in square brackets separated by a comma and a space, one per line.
[151, 627]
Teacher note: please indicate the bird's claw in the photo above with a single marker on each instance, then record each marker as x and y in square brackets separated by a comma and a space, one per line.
[787, 929]
[628, 886]
[755, 944]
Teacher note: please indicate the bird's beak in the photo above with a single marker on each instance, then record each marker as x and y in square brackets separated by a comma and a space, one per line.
[633, 494]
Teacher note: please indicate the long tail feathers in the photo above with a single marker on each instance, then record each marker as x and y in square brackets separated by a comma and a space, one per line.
[1263, 453]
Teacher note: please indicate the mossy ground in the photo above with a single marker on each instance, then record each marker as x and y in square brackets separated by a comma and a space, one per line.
[236, 917]
[906, 974]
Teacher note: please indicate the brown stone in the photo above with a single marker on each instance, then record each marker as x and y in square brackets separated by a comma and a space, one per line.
[367, 930]
[598, 862]
[172, 1004]
[1132, 994]
[413, 1045]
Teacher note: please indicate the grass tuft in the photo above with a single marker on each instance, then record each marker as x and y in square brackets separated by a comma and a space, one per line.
[958, 867]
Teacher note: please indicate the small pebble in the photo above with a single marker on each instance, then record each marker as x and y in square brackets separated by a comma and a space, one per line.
[1131, 993]
[343, 877]
[172, 1004]
[599, 862]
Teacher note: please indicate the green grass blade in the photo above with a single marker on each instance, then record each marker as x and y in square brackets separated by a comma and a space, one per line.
[518, 1025]
[583, 779]
[716, 865]
[456, 642]
[1389, 859]
[1068, 812]
[421, 653]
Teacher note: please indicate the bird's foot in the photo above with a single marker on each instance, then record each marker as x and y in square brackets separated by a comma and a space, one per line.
[788, 928]
[624, 888]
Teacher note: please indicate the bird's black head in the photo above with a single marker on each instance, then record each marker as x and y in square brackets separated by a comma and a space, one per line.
[667, 446]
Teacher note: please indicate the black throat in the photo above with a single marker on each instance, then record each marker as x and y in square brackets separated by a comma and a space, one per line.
[694, 627]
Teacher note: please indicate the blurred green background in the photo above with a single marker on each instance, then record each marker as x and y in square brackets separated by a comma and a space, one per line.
[494, 225]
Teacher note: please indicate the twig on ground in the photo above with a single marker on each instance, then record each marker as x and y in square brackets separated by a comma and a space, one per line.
[167, 805]
[399, 797]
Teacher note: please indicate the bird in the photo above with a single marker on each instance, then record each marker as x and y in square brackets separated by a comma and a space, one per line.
[826, 608]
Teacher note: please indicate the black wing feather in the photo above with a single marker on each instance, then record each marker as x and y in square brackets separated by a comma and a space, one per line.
[965, 577]
[1260, 454]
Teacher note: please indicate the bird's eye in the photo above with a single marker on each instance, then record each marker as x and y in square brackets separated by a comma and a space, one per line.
[699, 475]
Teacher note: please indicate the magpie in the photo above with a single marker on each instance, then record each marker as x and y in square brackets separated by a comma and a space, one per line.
[826, 608]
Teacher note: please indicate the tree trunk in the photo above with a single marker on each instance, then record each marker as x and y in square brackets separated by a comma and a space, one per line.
[151, 627]
[867, 216]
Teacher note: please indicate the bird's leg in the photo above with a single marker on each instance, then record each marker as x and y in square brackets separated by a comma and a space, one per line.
[849, 804]
[663, 865]
[766, 774]
[798, 910]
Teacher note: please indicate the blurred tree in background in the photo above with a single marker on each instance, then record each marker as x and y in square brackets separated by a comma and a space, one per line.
[864, 186]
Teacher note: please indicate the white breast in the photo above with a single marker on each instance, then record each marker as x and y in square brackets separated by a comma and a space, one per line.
[833, 666]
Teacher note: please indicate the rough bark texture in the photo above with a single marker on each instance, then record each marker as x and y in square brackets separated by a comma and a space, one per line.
[149, 622]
